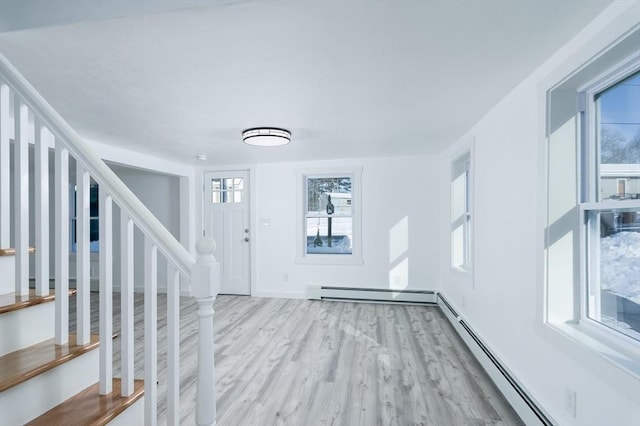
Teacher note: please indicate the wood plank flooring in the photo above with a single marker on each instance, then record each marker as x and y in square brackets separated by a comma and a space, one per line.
[303, 362]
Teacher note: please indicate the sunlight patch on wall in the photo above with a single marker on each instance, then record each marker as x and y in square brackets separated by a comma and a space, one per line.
[399, 276]
[399, 239]
[399, 255]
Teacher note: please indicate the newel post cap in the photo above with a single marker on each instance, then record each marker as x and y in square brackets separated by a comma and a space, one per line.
[205, 274]
[205, 248]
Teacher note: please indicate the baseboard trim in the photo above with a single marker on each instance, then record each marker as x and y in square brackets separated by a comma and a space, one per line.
[371, 295]
[278, 295]
[522, 402]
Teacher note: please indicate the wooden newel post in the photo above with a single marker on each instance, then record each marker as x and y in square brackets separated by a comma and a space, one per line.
[205, 284]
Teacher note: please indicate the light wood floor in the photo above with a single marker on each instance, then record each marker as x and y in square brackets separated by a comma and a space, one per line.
[306, 363]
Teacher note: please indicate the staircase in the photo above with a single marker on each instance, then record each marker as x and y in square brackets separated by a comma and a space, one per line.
[53, 370]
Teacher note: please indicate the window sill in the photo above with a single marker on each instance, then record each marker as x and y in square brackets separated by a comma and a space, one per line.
[617, 350]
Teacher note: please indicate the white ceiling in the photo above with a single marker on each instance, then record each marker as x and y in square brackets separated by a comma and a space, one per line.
[177, 78]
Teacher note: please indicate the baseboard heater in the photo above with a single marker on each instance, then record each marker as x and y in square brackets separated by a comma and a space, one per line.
[376, 295]
[528, 410]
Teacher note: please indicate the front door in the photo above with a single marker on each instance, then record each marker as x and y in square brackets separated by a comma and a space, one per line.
[226, 209]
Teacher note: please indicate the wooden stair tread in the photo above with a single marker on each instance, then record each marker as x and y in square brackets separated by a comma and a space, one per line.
[90, 408]
[21, 365]
[11, 251]
[12, 302]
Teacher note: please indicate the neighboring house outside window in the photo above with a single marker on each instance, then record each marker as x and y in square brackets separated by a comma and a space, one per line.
[329, 216]
[591, 233]
[610, 202]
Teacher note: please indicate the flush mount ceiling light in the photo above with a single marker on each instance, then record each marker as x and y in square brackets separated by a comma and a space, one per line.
[266, 136]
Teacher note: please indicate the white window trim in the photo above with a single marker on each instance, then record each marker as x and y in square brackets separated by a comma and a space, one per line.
[355, 258]
[614, 346]
[467, 268]
[620, 350]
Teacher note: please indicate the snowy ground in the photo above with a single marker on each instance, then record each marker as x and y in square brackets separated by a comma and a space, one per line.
[620, 264]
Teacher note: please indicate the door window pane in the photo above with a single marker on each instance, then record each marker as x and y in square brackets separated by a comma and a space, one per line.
[227, 190]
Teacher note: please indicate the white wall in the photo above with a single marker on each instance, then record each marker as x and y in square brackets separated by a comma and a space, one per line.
[504, 302]
[394, 189]
[161, 195]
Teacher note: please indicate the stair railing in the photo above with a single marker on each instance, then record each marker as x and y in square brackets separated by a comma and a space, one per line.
[50, 130]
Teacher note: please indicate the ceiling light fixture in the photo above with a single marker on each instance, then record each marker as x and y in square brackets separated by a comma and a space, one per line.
[266, 136]
[201, 157]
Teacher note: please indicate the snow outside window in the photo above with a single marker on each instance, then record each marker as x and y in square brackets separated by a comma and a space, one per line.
[610, 205]
[329, 213]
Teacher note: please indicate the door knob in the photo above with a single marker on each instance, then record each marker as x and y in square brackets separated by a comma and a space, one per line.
[246, 239]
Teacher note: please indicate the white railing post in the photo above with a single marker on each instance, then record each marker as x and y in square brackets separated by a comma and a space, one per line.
[21, 196]
[126, 303]
[173, 345]
[105, 299]
[43, 138]
[61, 205]
[205, 284]
[83, 255]
[5, 164]
[150, 332]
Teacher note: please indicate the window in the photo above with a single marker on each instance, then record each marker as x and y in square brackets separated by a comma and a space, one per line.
[227, 190]
[93, 219]
[610, 204]
[461, 212]
[591, 251]
[329, 217]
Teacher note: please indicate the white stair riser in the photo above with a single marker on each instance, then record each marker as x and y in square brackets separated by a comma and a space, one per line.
[7, 274]
[133, 415]
[26, 327]
[28, 400]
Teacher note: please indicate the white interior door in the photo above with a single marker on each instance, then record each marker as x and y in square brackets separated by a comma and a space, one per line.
[227, 222]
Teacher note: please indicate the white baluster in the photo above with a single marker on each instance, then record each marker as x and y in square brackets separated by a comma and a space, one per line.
[106, 287]
[205, 284]
[126, 302]
[5, 164]
[173, 345]
[83, 254]
[62, 244]
[150, 331]
[43, 139]
[21, 196]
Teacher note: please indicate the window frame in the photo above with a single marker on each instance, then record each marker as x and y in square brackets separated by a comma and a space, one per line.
[466, 268]
[467, 217]
[302, 257]
[73, 217]
[590, 204]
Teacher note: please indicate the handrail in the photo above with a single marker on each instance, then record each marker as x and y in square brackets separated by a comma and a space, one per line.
[100, 172]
